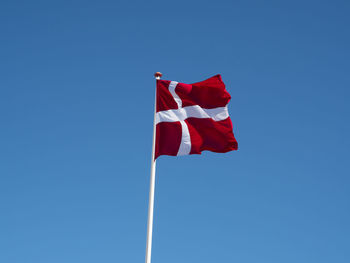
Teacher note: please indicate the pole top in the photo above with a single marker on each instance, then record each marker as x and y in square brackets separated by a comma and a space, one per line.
[158, 75]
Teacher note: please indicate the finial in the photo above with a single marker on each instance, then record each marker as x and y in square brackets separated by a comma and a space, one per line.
[158, 75]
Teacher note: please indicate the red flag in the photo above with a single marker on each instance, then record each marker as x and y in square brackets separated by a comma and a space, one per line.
[192, 118]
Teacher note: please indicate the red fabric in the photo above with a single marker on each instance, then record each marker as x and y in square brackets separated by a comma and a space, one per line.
[168, 138]
[205, 134]
[165, 100]
[210, 135]
[210, 93]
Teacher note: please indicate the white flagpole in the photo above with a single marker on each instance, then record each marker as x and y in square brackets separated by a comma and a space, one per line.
[152, 183]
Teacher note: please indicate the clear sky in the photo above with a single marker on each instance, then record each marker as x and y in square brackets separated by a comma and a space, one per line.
[76, 112]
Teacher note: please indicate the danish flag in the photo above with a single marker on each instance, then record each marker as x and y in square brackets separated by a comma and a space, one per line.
[191, 118]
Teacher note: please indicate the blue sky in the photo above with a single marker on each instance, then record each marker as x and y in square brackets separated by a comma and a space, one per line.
[76, 111]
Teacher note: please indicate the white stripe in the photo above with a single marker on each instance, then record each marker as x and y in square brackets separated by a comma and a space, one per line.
[217, 114]
[185, 145]
[172, 87]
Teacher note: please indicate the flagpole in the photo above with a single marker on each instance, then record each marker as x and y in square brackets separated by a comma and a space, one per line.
[152, 182]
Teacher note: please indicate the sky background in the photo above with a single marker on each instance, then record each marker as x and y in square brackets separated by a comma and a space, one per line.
[76, 112]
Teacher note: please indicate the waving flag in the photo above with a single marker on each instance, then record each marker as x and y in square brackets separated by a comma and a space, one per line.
[191, 118]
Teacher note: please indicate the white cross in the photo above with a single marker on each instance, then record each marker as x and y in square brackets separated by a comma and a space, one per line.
[182, 113]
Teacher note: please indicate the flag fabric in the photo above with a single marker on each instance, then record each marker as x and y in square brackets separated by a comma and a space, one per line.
[191, 118]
